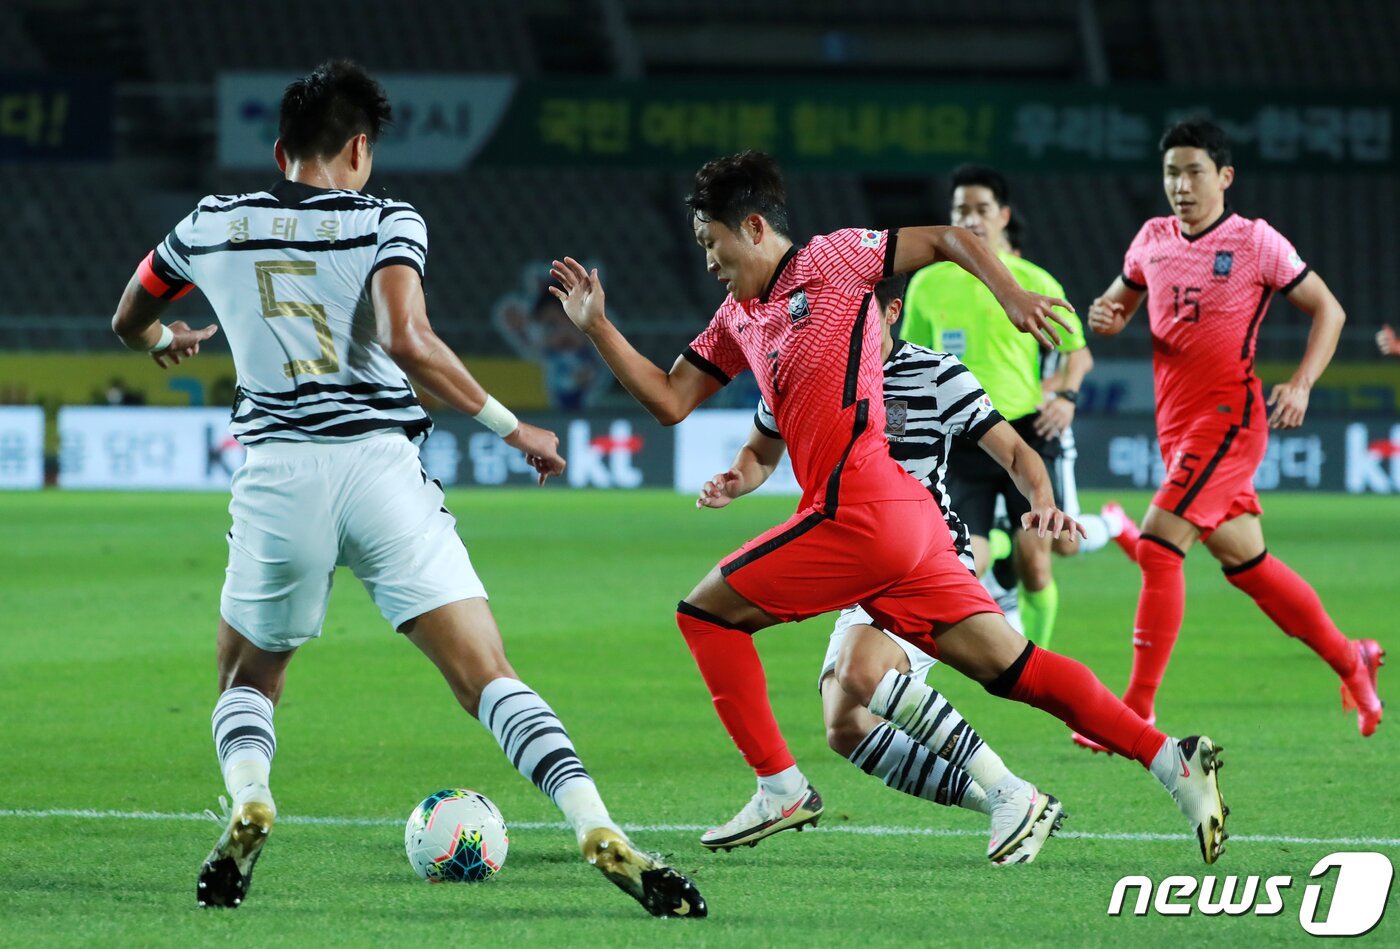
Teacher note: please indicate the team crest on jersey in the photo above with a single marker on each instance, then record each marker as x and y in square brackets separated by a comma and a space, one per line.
[798, 307]
[896, 417]
[1224, 261]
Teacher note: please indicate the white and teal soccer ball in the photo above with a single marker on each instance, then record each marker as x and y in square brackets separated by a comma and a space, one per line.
[456, 836]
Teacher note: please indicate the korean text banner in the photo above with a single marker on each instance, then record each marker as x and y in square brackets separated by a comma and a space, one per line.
[21, 447]
[917, 127]
[48, 117]
[440, 121]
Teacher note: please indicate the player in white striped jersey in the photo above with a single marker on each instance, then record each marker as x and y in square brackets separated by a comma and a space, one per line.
[333, 477]
[930, 398]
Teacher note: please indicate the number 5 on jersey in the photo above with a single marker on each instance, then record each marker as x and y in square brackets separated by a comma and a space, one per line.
[271, 307]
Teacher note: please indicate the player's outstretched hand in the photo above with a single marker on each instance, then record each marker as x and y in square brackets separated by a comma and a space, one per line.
[1053, 521]
[185, 345]
[721, 489]
[1289, 402]
[580, 291]
[1106, 317]
[541, 448]
[1386, 341]
[1034, 313]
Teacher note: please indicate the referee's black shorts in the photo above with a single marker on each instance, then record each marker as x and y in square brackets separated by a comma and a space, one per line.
[975, 480]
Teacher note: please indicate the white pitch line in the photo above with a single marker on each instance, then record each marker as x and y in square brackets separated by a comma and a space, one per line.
[861, 829]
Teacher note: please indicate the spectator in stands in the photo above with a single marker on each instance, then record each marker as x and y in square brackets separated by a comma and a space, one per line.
[534, 324]
[117, 393]
[1387, 342]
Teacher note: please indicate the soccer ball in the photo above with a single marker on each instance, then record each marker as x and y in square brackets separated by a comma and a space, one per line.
[456, 836]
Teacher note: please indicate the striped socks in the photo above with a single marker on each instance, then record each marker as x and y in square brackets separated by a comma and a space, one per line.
[536, 743]
[907, 766]
[929, 719]
[245, 742]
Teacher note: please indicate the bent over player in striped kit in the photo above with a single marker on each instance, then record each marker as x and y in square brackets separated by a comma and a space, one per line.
[930, 398]
[801, 319]
[1208, 276]
[333, 477]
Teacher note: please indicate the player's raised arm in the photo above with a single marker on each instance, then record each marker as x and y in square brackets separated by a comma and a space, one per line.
[917, 247]
[669, 397]
[753, 465]
[1027, 470]
[137, 320]
[401, 318]
[1108, 314]
[1289, 400]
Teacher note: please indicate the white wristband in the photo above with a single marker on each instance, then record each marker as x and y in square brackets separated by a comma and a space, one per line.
[497, 417]
[166, 338]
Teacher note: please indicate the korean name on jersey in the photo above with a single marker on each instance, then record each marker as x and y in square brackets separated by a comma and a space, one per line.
[286, 271]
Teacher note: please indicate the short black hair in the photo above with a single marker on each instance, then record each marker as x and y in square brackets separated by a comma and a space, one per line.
[983, 175]
[890, 289]
[1199, 132]
[323, 111]
[729, 189]
[1015, 232]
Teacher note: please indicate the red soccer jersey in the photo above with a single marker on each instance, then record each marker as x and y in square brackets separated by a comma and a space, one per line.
[812, 340]
[1207, 295]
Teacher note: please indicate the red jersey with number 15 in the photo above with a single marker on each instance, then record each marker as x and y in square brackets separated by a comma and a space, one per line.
[1207, 295]
[812, 339]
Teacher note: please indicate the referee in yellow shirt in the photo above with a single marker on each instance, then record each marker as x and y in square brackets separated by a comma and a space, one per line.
[948, 311]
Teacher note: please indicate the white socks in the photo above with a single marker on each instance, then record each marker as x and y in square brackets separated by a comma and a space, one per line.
[1164, 765]
[787, 783]
[1098, 532]
[535, 741]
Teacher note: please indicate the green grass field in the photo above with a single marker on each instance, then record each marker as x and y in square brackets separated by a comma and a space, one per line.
[108, 605]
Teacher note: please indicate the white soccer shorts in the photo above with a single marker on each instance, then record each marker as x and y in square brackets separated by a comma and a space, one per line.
[920, 662]
[1066, 487]
[300, 509]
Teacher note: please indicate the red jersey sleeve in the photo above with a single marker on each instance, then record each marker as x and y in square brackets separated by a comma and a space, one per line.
[1280, 266]
[716, 352]
[868, 256]
[1133, 275]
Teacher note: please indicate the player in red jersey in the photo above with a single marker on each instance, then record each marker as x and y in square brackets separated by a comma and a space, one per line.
[803, 320]
[1209, 275]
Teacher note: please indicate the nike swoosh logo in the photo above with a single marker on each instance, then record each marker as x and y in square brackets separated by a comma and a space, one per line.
[1185, 771]
[789, 811]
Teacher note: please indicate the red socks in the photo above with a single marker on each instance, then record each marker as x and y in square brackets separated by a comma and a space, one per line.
[1292, 604]
[1070, 691]
[1161, 606]
[730, 666]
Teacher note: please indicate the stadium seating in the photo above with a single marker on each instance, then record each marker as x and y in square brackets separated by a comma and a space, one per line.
[488, 225]
[453, 37]
[19, 49]
[1280, 42]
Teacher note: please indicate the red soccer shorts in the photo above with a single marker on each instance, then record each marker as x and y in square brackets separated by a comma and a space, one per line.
[895, 558]
[1210, 473]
